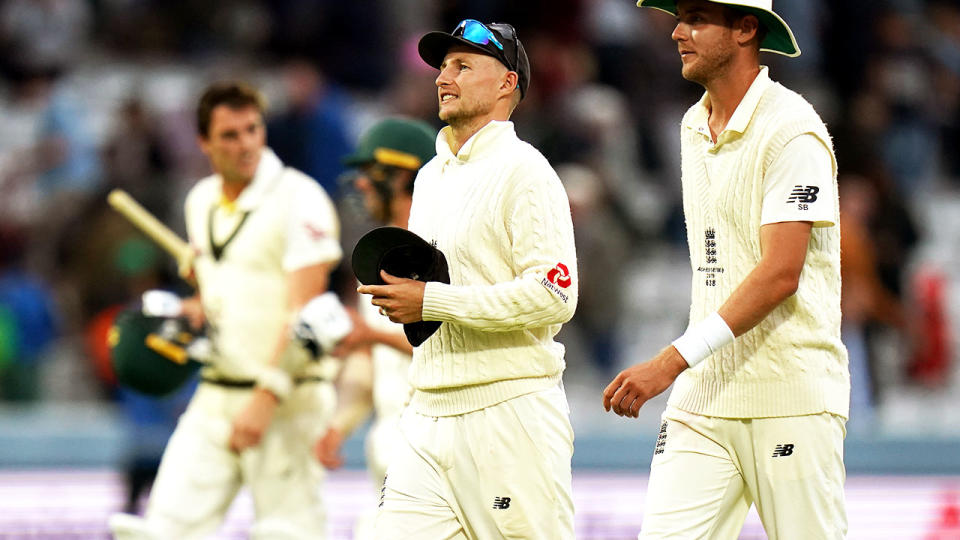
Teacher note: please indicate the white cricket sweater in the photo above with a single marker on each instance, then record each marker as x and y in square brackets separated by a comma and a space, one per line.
[792, 362]
[500, 215]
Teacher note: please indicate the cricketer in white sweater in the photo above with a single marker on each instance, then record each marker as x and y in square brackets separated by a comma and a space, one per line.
[500, 215]
[792, 362]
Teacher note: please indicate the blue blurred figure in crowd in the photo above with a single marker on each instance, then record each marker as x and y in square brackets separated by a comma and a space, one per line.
[311, 134]
[28, 321]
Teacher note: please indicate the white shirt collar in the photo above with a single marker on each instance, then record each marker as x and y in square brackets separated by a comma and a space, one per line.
[484, 139]
[741, 116]
[263, 180]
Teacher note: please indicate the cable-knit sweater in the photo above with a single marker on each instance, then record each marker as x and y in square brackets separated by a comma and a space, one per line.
[792, 362]
[500, 215]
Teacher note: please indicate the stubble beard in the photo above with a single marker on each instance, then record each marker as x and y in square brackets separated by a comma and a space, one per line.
[463, 116]
[235, 175]
[708, 68]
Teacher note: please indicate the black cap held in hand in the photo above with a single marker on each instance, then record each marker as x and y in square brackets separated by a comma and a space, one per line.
[403, 254]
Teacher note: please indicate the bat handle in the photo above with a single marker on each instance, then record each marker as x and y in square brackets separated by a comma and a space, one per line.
[186, 268]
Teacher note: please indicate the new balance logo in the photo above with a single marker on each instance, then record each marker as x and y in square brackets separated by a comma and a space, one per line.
[783, 450]
[501, 503]
[801, 194]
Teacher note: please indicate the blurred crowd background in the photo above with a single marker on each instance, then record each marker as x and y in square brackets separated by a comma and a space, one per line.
[100, 94]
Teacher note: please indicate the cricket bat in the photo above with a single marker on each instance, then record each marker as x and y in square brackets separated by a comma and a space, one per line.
[122, 202]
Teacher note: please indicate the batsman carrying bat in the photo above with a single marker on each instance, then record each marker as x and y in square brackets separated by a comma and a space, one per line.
[262, 239]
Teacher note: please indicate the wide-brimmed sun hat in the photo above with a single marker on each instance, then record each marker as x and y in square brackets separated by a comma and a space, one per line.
[779, 38]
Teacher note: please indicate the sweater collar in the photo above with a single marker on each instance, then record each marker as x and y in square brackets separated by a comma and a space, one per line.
[480, 143]
[741, 116]
[263, 181]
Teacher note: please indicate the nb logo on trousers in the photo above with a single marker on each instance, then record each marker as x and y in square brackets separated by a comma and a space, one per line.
[501, 503]
[783, 450]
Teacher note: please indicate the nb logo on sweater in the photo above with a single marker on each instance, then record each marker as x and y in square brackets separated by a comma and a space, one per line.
[783, 450]
[801, 194]
[501, 503]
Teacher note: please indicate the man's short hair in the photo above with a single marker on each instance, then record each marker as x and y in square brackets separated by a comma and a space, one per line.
[732, 15]
[233, 94]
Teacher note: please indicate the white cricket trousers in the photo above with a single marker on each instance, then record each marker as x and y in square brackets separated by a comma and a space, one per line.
[496, 473]
[199, 475]
[707, 471]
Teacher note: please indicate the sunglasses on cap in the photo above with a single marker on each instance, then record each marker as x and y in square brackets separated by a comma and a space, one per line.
[475, 31]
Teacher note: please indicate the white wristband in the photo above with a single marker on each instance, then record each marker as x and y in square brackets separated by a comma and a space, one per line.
[703, 339]
[276, 381]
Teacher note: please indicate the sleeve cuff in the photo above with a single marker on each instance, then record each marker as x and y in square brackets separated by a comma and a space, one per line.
[440, 300]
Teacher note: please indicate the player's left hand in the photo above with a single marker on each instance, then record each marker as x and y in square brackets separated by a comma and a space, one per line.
[634, 386]
[253, 420]
[360, 337]
[401, 299]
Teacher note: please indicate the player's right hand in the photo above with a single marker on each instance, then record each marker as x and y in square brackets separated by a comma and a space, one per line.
[327, 449]
[401, 299]
[634, 386]
[360, 337]
[253, 420]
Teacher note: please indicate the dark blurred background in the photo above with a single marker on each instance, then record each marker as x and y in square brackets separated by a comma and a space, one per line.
[100, 94]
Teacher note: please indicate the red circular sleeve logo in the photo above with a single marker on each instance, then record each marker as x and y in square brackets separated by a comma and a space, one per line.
[559, 275]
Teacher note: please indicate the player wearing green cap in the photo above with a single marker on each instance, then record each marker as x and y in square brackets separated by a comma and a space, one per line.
[376, 352]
